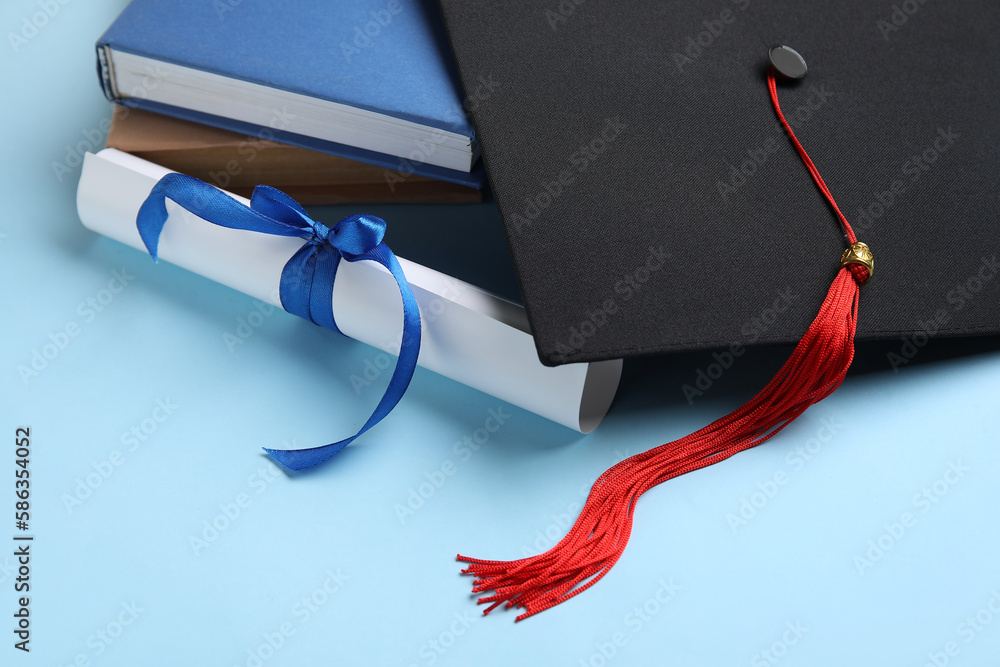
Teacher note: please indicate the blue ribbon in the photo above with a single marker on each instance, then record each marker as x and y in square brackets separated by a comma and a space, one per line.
[307, 280]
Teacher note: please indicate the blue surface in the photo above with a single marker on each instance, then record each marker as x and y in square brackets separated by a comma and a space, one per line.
[392, 592]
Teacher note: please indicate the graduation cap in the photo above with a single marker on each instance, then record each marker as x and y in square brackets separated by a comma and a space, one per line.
[669, 180]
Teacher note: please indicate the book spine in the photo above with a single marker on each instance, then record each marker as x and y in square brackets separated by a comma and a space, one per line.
[106, 72]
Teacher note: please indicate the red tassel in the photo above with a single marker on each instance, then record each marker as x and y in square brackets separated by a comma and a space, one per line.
[815, 369]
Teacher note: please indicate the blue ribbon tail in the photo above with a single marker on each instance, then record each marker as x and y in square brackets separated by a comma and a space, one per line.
[409, 351]
[298, 459]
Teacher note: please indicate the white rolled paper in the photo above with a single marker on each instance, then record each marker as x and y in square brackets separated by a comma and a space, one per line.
[468, 335]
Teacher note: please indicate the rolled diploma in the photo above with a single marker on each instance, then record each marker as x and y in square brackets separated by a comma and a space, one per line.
[468, 335]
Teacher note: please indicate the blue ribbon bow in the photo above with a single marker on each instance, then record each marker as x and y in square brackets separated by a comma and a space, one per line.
[307, 280]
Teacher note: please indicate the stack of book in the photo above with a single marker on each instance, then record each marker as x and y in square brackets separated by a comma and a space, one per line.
[333, 103]
[365, 107]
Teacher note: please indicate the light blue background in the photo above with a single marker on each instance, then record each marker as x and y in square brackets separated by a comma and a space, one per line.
[161, 338]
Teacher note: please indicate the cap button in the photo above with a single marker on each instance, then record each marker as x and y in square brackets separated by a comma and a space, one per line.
[787, 62]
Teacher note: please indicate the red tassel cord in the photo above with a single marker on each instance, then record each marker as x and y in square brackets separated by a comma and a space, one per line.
[815, 369]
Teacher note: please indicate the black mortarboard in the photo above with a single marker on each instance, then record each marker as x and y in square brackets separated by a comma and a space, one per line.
[656, 197]
[640, 169]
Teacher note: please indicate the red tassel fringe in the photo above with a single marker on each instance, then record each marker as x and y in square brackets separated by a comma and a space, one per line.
[598, 538]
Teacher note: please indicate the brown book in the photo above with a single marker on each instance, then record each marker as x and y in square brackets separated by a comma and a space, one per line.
[238, 163]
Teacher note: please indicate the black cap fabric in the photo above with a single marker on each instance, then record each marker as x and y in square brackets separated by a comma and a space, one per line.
[652, 203]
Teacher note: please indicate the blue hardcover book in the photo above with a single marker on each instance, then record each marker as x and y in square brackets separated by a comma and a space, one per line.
[369, 80]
